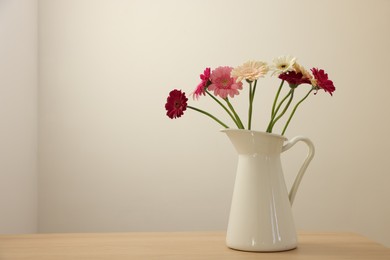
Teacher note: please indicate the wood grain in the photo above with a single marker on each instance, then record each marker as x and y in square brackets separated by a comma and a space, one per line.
[186, 245]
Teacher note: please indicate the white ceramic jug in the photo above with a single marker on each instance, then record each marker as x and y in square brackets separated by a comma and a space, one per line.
[260, 214]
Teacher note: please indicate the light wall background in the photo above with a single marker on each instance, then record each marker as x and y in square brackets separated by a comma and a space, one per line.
[110, 160]
[18, 116]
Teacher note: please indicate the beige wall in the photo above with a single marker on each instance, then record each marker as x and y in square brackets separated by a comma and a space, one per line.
[109, 159]
[18, 116]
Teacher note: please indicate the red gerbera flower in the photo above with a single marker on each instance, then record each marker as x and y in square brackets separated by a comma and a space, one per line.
[294, 79]
[200, 89]
[322, 81]
[176, 104]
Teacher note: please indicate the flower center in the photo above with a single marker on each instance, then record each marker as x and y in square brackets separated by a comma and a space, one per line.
[177, 104]
[225, 82]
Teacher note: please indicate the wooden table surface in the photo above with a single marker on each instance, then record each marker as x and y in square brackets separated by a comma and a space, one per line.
[186, 245]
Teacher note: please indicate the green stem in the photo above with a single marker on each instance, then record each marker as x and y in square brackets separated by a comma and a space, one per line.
[209, 115]
[239, 123]
[276, 99]
[224, 107]
[295, 108]
[254, 90]
[270, 125]
[291, 94]
[251, 97]
[281, 103]
[250, 106]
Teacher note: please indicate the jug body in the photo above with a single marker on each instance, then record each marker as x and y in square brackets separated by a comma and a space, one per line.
[260, 215]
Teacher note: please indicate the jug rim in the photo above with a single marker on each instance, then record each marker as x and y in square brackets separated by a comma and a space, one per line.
[253, 131]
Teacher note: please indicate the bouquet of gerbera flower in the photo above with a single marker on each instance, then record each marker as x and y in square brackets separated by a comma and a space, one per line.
[225, 82]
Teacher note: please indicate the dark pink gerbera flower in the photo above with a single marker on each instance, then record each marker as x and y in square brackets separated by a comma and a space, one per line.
[200, 89]
[322, 82]
[294, 79]
[176, 104]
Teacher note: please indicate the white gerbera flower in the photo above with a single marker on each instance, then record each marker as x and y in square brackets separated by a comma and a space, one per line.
[283, 64]
[298, 68]
[306, 74]
[250, 70]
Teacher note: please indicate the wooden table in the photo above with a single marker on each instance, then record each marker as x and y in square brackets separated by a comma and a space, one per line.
[191, 245]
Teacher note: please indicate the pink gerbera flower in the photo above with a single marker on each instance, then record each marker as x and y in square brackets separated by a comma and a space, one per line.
[200, 89]
[223, 84]
[176, 104]
[321, 81]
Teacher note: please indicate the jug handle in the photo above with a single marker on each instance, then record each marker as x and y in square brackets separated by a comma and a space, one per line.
[303, 168]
